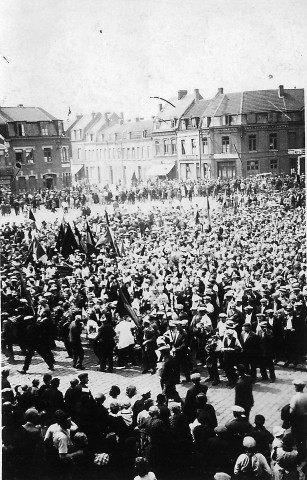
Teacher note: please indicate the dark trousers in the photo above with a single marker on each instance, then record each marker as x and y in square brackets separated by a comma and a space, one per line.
[104, 357]
[212, 369]
[267, 364]
[44, 352]
[250, 364]
[124, 355]
[182, 363]
[149, 358]
[77, 355]
[299, 430]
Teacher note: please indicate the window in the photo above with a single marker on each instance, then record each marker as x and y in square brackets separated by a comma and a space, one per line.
[91, 137]
[205, 144]
[123, 152]
[273, 141]
[274, 164]
[20, 130]
[44, 128]
[165, 146]
[252, 146]
[118, 153]
[193, 145]
[174, 146]
[195, 122]
[208, 121]
[251, 118]
[157, 147]
[183, 147]
[133, 153]
[184, 124]
[272, 117]
[227, 120]
[139, 173]
[19, 156]
[144, 133]
[60, 128]
[138, 152]
[143, 152]
[252, 165]
[262, 118]
[148, 152]
[114, 153]
[79, 153]
[292, 139]
[29, 156]
[64, 154]
[128, 153]
[225, 144]
[47, 155]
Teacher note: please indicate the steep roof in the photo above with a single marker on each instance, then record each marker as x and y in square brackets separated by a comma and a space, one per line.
[180, 106]
[26, 114]
[197, 109]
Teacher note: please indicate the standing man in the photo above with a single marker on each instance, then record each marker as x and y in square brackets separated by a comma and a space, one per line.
[231, 349]
[298, 412]
[125, 341]
[244, 390]
[250, 345]
[105, 344]
[75, 331]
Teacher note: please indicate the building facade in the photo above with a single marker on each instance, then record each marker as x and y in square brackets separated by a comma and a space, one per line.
[242, 134]
[36, 150]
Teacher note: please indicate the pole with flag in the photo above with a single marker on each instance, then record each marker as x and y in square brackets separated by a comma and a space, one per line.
[124, 306]
[31, 216]
[209, 216]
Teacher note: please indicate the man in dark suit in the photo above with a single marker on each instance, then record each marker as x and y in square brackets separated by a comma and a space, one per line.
[180, 351]
[75, 331]
[190, 404]
[250, 349]
[104, 345]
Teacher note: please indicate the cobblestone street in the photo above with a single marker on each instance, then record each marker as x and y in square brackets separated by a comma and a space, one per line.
[269, 398]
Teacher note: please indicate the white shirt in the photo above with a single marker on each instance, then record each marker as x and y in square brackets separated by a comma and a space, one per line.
[124, 332]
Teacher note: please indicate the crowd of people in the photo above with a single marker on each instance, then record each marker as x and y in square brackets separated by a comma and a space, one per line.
[173, 289]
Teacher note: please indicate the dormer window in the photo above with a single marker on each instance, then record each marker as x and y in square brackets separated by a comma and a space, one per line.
[20, 129]
[44, 129]
[195, 122]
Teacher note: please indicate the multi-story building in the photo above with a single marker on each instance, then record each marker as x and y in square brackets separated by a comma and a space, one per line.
[242, 134]
[165, 133]
[35, 141]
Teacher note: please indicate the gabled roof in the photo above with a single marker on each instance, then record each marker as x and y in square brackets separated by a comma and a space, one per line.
[102, 124]
[86, 122]
[257, 101]
[26, 114]
[197, 109]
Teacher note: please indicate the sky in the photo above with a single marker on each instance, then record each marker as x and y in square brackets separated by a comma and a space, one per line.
[113, 55]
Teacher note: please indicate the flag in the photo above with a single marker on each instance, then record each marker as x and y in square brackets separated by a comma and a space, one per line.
[79, 239]
[209, 217]
[104, 239]
[90, 242]
[69, 111]
[61, 235]
[107, 218]
[122, 250]
[197, 217]
[29, 257]
[25, 292]
[142, 252]
[69, 244]
[124, 307]
[41, 255]
[31, 216]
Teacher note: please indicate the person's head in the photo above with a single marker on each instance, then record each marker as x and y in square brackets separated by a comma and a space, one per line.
[148, 403]
[47, 378]
[83, 378]
[299, 385]
[32, 416]
[201, 400]
[176, 409]
[249, 444]
[221, 431]
[35, 382]
[63, 419]
[5, 372]
[241, 369]
[131, 391]
[114, 407]
[161, 400]
[278, 432]
[141, 466]
[195, 377]
[146, 393]
[288, 442]
[154, 411]
[247, 327]
[100, 398]
[55, 382]
[80, 440]
[114, 391]
[238, 412]
[259, 420]
[74, 382]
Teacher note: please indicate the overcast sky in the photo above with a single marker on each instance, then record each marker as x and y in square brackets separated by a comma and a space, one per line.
[100, 55]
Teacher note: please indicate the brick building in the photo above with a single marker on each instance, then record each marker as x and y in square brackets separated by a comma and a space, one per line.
[35, 140]
[242, 134]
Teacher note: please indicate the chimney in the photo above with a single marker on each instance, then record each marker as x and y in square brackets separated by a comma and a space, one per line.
[281, 92]
[20, 105]
[220, 90]
[182, 94]
[78, 117]
[137, 119]
[141, 118]
[106, 116]
[122, 115]
[196, 94]
[160, 107]
[121, 121]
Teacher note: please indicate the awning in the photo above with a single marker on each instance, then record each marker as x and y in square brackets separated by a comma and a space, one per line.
[160, 170]
[76, 168]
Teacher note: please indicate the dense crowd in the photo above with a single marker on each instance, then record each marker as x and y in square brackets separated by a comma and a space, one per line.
[171, 289]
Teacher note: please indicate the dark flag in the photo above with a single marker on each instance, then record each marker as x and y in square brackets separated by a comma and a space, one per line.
[124, 307]
[31, 216]
[142, 252]
[107, 218]
[41, 255]
[197, 217]
[79, 239]
[61, 236]
[90, 242]
[25, 292]
[113, 242]
[69, 244]
[29, 256]
[209, 217]
[104, 239]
